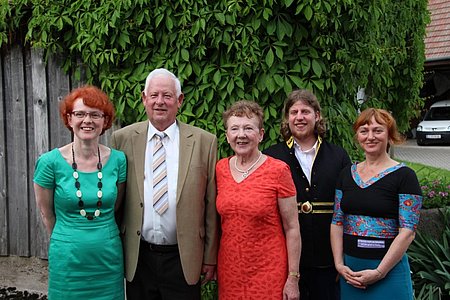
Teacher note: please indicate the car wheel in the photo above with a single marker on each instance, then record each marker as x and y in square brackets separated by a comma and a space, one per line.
[420, 143]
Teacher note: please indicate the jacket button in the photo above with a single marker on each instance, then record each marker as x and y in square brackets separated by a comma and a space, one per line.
[307, 189]
[138, 233]
[142, 205]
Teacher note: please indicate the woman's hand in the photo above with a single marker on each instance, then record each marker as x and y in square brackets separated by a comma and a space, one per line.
[352, 278]
[291, 291]
[368, 277]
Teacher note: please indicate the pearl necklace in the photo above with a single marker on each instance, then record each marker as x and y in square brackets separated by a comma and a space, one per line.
[75, 175]
[245, 173]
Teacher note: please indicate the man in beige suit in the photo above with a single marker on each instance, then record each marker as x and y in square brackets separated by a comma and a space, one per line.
[170, 241]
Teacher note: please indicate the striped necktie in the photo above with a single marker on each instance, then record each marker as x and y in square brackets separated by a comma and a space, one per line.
[160, 194]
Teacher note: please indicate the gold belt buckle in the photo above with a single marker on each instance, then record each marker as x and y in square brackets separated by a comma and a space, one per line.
[306, 207]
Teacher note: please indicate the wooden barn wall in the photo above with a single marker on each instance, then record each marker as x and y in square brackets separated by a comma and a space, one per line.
[30, 92]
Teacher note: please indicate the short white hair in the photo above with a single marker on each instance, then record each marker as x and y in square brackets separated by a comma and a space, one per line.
[164, 72]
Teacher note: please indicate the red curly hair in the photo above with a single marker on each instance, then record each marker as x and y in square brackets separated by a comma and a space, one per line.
[93, 97]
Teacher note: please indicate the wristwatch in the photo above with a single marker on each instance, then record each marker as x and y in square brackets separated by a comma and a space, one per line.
[294, 274]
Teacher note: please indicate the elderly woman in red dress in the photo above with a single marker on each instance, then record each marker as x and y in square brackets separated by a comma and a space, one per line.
[259, 249]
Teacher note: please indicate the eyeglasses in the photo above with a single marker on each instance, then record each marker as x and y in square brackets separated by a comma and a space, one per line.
[95, 115]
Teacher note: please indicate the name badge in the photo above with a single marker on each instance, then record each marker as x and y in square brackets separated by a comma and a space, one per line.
[370, 244]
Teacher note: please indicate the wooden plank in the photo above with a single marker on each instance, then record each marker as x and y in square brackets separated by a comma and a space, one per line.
[16, 147]
[38, 105]
[58, 88]
[3, 186]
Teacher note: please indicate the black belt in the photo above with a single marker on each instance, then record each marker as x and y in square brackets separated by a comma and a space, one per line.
[159, 248]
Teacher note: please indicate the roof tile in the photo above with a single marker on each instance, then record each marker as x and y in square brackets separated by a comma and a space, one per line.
[437, 40]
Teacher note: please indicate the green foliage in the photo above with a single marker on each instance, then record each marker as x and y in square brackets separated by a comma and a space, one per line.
[228, 50]
[430, 263]
[434, 183]
[210, 291]
[435, 193]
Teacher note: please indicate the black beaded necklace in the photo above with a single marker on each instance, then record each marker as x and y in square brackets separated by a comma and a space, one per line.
[89, 216]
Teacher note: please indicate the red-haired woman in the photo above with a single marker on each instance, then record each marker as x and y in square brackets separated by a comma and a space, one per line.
[78, 188]
[376, 213]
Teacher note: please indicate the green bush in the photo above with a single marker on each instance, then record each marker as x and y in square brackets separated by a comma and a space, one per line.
[430, 263]
[435, 193]
[228, 50]
[435, 185]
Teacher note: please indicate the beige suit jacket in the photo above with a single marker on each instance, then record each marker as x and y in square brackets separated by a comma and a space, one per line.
[197, 220]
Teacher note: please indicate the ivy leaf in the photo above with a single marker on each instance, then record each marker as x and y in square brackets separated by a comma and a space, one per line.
[287, 85]
[281, 30]
[267, 12]
[288, 2]
[278, 79]
[271, 27]
[306, 65]
[298, 82]
[196, 68]
[308, 12]
[188, 70]
[217, 77]
[279, 52]
[230, 87]
[195, 28]
[273, 112]
[220, 17]
[269, 58]
[159, 18]
[169, 23]
[318, 84]
[239, 82]
[138, 70]
[184, 54]
[316, 68]
[270, 84]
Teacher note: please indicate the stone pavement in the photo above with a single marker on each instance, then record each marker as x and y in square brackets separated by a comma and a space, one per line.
[30, 274]
[25, 274]
[435, 156]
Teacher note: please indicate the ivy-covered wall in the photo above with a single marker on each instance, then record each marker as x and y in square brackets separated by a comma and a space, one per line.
[227, 50]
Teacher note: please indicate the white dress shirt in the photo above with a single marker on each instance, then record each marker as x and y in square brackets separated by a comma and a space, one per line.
[306, 158]
[161, 229]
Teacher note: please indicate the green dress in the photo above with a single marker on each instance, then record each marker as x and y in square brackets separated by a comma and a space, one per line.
[85, 256]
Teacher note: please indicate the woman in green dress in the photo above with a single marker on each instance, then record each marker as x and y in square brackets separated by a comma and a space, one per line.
[78, 188]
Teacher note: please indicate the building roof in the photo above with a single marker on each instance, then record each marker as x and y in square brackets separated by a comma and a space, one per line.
[437, 40]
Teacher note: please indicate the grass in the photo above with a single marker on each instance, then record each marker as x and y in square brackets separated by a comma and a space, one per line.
[427, 172]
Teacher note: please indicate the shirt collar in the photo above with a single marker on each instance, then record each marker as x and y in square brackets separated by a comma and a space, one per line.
[170, 131]
[291, 142]
[313, 149]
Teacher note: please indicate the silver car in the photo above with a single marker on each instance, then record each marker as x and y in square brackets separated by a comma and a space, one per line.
[435, 127]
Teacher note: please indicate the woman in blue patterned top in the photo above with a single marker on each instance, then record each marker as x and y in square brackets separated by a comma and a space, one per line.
[376, 213]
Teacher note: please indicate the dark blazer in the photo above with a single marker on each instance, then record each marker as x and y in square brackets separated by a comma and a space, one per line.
[197, 219]
[315, 226]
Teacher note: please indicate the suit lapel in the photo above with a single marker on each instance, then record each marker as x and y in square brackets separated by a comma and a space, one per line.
[186, 148]
[139, 142]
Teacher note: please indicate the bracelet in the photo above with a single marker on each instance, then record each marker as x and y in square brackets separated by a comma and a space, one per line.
[294, 274]
[376, 269]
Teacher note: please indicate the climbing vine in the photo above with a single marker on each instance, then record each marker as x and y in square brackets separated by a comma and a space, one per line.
[227, 50]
